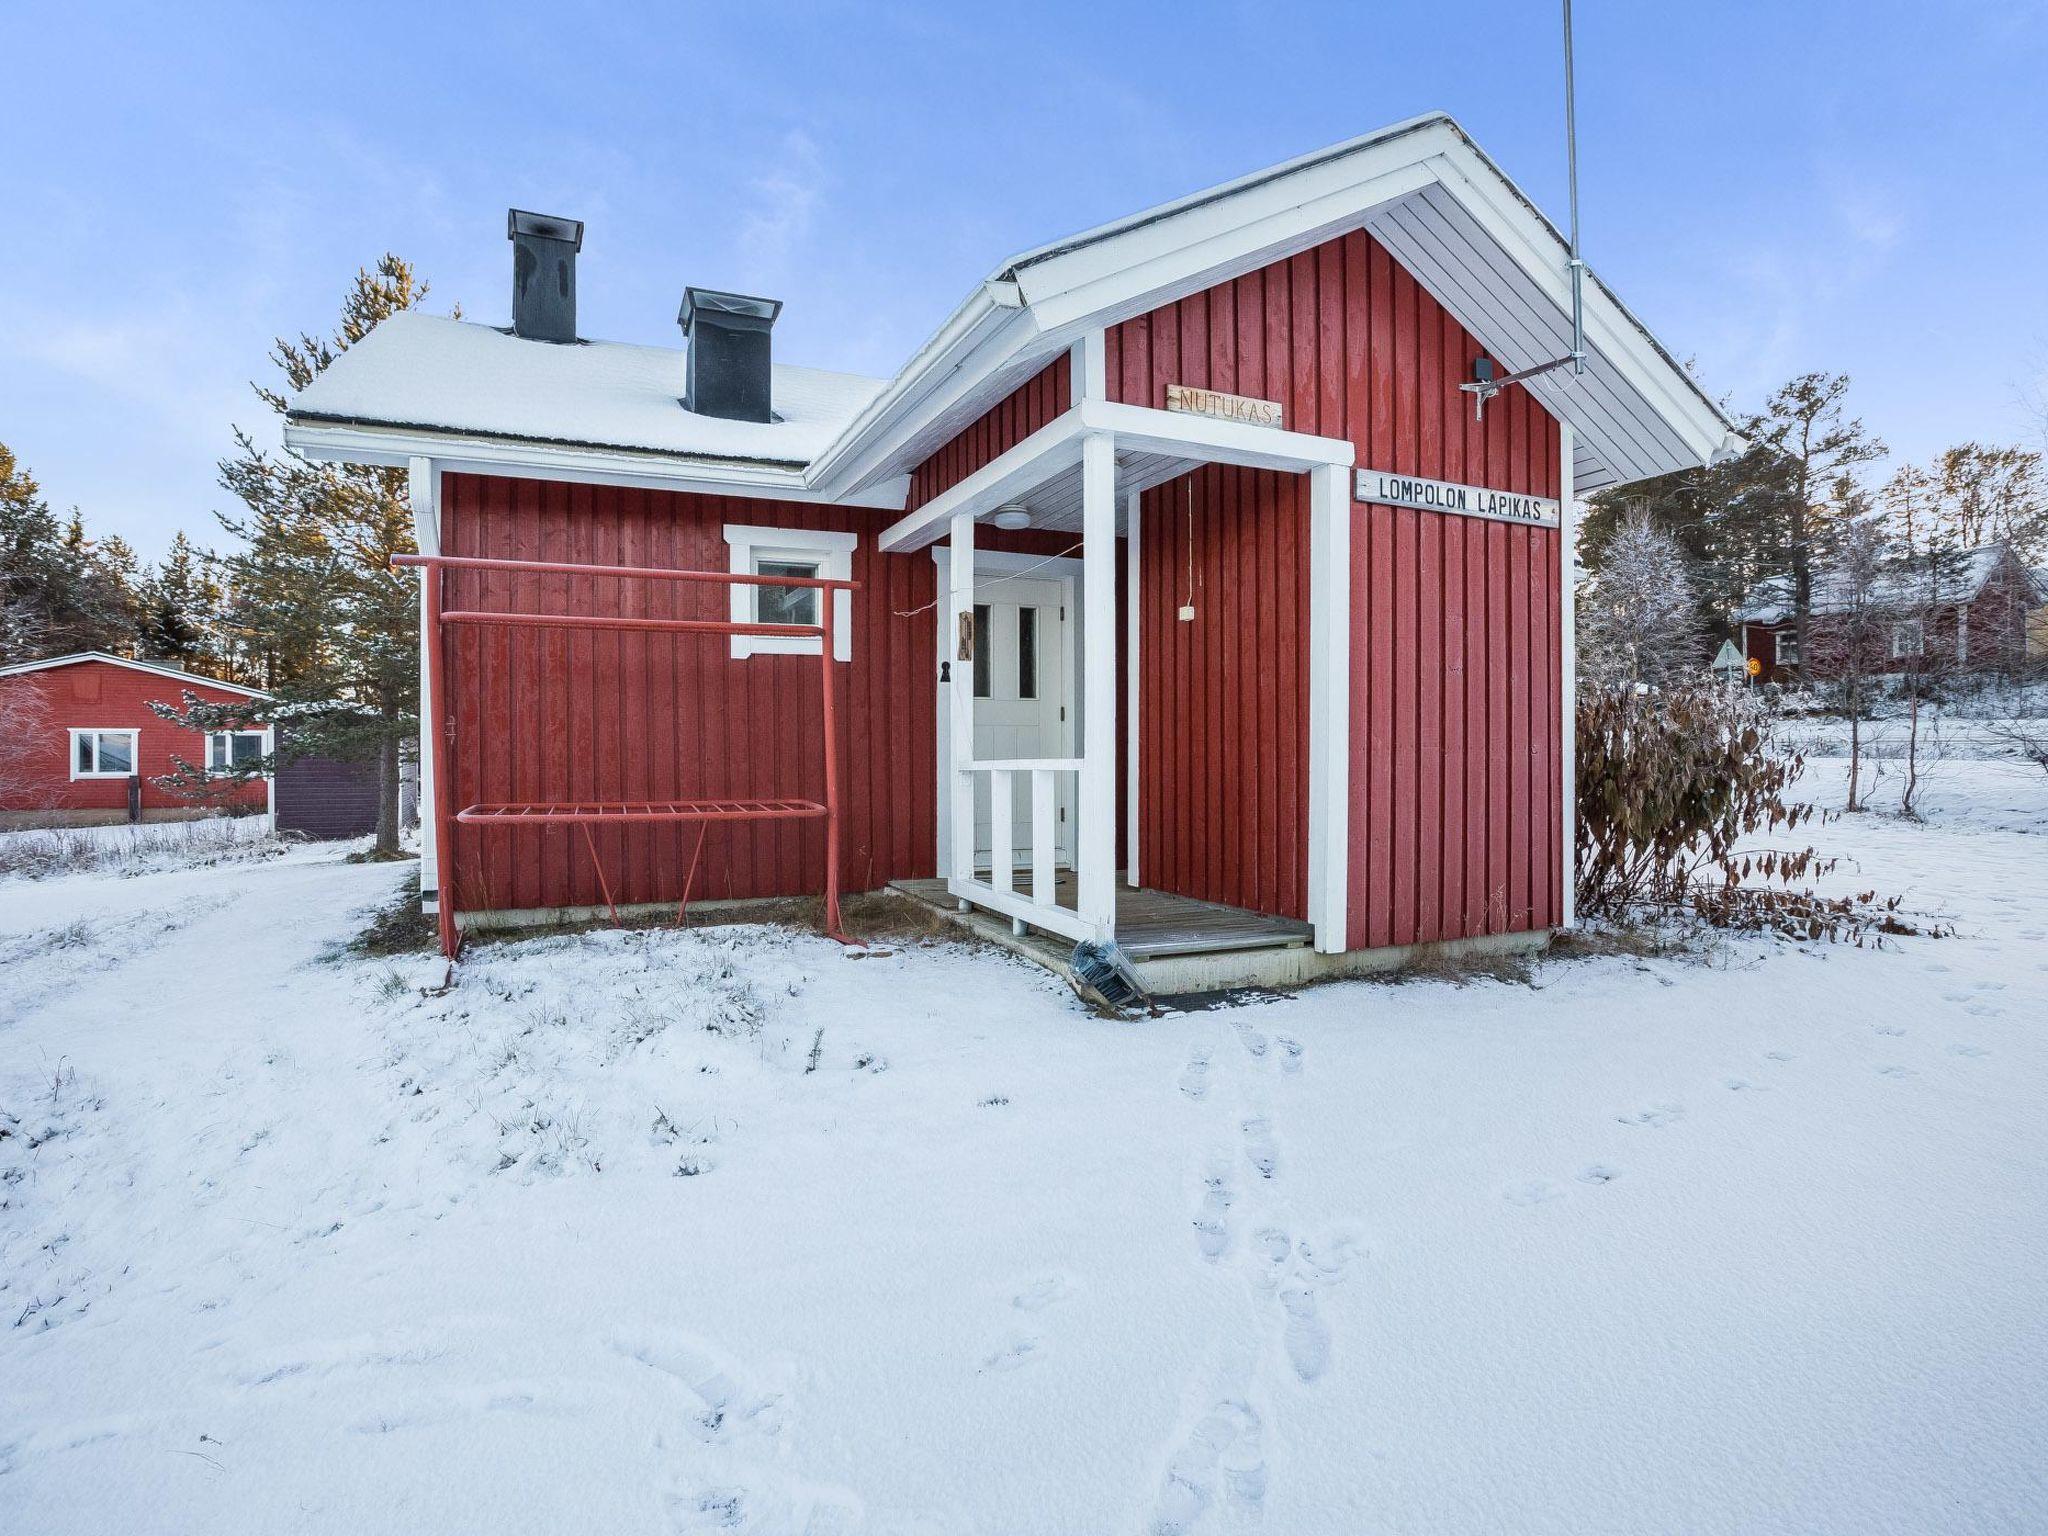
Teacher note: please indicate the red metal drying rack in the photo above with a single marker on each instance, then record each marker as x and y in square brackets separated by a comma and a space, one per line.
[585, 814]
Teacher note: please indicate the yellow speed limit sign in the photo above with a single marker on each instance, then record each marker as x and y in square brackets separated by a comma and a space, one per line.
[1755, 666]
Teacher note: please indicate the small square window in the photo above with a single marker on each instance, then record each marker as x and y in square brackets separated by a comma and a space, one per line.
[1909, 639]
[786, 605]
[232, 749]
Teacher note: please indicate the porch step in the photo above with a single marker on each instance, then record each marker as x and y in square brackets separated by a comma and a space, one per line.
[1156, 924]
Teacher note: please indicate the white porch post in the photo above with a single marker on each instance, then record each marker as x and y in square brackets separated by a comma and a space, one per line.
[1568, 677]
[960, 710]
[1132, 629]
[1329, 705]
[1097, 843]
[423, 492]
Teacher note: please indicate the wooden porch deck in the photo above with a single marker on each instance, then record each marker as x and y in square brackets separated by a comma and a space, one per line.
[1152, 924]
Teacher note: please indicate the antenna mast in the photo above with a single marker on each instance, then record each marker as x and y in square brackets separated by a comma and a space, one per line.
[1571, 160]
[1486, 385]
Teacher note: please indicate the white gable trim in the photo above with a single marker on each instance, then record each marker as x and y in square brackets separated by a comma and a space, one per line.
[155, 669]
[1649, 416]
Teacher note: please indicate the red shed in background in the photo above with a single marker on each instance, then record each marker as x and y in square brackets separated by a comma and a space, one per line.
[1208, 575]
[88, 749]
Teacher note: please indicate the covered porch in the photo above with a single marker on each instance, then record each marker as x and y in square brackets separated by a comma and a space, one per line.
[1053, 868]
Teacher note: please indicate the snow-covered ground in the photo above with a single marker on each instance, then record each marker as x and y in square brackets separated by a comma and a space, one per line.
[725, 1231]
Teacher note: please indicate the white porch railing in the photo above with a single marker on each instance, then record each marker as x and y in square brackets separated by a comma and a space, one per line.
[1039, 907]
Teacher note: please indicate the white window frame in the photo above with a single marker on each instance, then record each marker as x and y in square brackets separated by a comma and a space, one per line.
[1779, 648]
[1918, 629]
[831, 552]
[96, 731]
[208, 767]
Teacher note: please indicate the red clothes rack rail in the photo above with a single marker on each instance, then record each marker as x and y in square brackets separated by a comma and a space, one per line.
[586, 814]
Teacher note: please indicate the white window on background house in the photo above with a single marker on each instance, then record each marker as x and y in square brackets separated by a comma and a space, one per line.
[1909, 639]
[233, 749]
[810, 554]
[1787, 652]
[97, 754]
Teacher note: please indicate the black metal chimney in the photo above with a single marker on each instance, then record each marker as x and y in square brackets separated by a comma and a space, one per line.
[543, 274]
[729, 354]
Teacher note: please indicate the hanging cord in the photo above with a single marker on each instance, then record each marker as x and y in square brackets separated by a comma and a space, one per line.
[993, 581]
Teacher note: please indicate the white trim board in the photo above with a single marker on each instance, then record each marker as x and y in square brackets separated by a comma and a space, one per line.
[71, 735]
[156, 669]
[833, 554]
[1064, 569]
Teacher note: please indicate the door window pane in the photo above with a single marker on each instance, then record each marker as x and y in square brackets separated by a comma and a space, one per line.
[981, 656]
[786, 605]
[1027, 653]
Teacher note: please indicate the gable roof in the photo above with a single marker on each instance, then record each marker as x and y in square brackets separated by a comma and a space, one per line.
[1902, 584]
[1422, 188]
[156, 668]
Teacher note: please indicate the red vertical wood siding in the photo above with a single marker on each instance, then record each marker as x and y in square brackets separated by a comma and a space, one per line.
[1031, 405]
[97, 695]
[1455, 714]
[553, 714]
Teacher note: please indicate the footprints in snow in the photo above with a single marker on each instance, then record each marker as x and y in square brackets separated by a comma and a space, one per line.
[717, 1409]
[1260, 1047]
[1021, 1348]
[1655, 1116]
[1222, 1459]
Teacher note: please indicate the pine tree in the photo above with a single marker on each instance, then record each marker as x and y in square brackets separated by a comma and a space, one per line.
[177, 610]
[312, 602]
[1804, 425]
[59, 590]
[1972, 495]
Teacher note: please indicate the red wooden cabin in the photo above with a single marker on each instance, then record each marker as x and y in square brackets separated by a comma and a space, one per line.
[99, 748]
[1966, 612]
[1208, 581]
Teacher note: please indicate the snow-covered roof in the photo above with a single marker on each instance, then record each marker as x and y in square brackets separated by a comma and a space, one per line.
[158, 668]
[473, 396]
[1903, 584]
[429, 372]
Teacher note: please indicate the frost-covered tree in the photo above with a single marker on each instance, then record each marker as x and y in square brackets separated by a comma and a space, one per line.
[312, 591]
[1858, 571]
[1638, 623]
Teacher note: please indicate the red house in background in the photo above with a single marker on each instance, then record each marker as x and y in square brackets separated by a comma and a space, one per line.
[100, 748]
[1208, 572]
[1966, 613]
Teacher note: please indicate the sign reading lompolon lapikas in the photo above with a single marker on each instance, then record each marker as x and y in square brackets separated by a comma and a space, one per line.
[1465, 500]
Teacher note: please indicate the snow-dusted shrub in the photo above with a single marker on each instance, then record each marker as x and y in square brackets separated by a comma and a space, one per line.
[136, 850]
[1672, 785]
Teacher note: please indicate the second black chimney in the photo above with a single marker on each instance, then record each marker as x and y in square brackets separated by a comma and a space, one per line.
[543, 274]
[730, 355]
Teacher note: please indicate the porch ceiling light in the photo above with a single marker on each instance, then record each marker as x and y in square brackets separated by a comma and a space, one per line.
[1011, 518]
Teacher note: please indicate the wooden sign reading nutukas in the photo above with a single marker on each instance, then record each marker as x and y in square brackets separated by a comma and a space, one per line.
[1213, 402]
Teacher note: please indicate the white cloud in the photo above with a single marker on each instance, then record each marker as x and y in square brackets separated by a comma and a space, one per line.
[785, 198]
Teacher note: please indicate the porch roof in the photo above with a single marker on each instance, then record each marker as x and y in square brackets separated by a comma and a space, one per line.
[1043, 473]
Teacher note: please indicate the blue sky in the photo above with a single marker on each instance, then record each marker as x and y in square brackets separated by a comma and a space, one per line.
[1772, 187]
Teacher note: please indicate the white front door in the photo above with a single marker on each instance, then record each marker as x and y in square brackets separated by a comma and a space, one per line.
[1020, 698]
